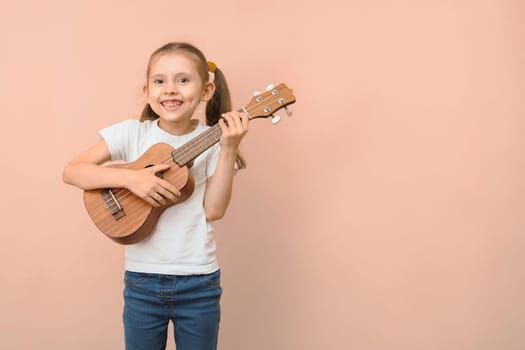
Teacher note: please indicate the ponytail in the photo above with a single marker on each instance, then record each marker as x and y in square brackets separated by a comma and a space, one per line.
[220, 103]
[148, 113]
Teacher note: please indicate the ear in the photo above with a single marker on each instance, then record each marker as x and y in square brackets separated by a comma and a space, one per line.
[207, 91]
[145, 90]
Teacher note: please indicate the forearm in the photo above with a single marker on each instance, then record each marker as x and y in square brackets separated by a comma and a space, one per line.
[89, 176]
[86, 172]
[234, 126]
[219, 186]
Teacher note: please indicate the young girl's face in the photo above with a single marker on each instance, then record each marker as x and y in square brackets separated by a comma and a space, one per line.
[175, 89]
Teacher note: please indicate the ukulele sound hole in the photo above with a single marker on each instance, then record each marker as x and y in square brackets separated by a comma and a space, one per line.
[159, 174]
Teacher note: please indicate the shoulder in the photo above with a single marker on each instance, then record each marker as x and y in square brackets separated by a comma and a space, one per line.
[137, 124]
[129, 125]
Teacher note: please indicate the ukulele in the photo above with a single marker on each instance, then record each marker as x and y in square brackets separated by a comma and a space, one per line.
[127, 218]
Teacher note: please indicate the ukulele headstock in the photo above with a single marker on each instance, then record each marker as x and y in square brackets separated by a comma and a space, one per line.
[264, 105]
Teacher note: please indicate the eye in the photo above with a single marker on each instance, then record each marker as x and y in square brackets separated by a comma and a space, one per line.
[183, 81]
[158, 81]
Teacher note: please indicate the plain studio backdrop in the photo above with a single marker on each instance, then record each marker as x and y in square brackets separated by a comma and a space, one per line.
[386, 213]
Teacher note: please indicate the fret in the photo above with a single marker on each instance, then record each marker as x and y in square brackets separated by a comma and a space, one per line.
[190, 150]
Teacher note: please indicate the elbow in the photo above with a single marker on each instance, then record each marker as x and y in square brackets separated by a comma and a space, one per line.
[214, 215]
[66, 177]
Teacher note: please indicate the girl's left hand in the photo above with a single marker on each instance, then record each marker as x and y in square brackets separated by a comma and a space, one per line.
[234, 126]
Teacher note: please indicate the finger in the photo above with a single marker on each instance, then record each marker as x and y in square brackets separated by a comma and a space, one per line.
[237, 117]
[159, 167]
[167, 197]
[234, 123]
[169, 191]
[222, 122]
[245, 121]
[225, 125]
[151, 201]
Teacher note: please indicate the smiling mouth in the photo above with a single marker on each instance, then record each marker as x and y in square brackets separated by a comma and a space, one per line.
[171, 104]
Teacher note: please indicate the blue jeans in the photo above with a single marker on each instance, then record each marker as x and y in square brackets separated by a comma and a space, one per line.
[191, 302]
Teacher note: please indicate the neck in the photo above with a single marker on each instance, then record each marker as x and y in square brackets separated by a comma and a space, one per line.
[178, 128]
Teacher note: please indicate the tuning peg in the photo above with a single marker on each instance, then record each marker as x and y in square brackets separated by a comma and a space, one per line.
[256, 93]
[276, 119]
[270, 87]
[289, 112]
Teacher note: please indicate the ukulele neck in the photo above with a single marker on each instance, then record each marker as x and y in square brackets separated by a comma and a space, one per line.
[192, 149]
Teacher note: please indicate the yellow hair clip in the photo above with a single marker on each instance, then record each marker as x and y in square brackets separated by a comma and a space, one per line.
[212, 67]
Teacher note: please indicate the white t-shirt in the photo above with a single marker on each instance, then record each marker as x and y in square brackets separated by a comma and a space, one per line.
[181, 242]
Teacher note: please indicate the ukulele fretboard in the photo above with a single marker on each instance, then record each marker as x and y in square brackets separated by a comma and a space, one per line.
[189, 151]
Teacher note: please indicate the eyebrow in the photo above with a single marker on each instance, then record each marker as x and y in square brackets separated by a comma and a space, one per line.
[157, 76]
[162, 75]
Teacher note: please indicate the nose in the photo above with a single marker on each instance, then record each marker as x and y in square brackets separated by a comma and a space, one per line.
[170, 87]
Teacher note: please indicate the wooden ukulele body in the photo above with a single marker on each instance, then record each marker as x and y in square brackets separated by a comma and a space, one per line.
[126, 218]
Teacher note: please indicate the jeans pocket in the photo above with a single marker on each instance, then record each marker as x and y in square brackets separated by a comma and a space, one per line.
[135, 279]
[213, 279]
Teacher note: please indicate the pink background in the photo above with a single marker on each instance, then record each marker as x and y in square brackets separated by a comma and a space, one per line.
[387, 213]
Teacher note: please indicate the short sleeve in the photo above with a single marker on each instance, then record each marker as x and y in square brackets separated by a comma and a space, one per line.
[212, 160]
[119, 137]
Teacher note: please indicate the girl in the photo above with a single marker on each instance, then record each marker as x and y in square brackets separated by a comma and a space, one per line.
[173, 273]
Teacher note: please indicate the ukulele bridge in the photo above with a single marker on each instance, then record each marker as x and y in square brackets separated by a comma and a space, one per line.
[112, 204]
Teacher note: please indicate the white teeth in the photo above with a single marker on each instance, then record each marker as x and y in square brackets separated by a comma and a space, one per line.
[171, 104]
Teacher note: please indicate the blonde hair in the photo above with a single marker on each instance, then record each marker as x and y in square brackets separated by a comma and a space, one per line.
[219, 103]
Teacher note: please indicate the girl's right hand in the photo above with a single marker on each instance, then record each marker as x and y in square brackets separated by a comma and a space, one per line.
[151, 188]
